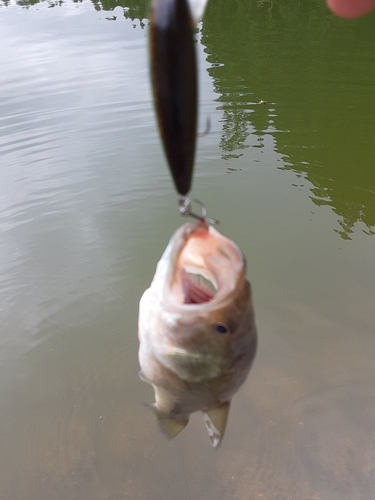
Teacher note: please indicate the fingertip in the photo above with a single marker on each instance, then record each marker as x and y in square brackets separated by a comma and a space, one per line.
[351, 8]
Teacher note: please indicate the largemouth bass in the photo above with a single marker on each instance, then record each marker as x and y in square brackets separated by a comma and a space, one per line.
[196, 330]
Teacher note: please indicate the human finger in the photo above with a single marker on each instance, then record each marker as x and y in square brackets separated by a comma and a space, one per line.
[351, 8]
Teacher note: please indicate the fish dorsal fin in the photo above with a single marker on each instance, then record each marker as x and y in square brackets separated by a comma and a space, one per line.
[170, 425]
[197, 8]
[215, 420]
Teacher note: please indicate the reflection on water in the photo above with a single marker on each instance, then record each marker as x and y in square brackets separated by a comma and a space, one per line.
[317, 73]
[320, 95]
[87, 207]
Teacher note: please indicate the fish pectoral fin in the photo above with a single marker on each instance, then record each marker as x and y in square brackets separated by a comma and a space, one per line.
[169, 424]
[215, 420]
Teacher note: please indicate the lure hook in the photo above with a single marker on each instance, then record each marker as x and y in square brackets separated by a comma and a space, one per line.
[206, 131]
[184, 206]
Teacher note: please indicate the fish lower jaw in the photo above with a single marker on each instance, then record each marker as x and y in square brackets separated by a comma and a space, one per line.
[177, 314]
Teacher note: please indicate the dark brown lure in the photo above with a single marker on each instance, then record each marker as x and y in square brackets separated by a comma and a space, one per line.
[174, 83]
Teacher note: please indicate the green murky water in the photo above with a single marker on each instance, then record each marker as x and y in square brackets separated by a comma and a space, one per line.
[87, 207]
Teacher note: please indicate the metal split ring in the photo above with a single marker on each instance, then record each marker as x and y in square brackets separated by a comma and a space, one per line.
[184, 206]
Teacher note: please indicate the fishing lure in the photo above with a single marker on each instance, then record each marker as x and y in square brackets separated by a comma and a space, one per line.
[174, 83]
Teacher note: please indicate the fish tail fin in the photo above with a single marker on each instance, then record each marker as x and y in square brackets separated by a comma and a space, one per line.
[215, 420]
[170, 425]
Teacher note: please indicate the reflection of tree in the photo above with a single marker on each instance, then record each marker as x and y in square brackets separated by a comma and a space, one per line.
[319, 71]
[316, 71]
[133, 9]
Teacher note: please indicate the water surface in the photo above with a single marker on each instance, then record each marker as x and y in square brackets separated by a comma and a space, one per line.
[87, 206]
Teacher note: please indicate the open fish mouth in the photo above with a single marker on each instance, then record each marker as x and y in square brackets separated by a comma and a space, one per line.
[206, 267]
[197, 287]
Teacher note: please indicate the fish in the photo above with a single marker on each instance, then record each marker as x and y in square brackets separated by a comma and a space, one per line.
[196, 330]
[173, 63]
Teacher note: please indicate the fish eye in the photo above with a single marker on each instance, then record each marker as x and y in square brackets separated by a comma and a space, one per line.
[221, 328]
